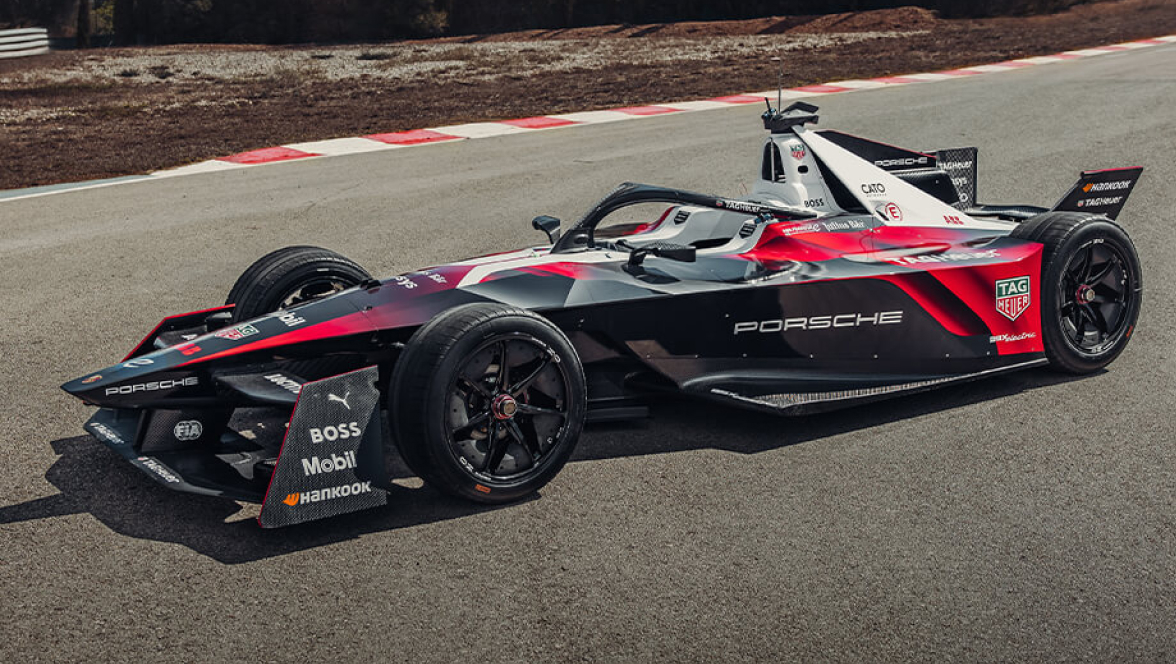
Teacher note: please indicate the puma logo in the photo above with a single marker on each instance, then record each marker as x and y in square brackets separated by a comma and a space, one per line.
[343, 399]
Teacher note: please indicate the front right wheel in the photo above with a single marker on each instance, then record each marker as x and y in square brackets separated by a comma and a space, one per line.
[1091, 288]
[487, 402]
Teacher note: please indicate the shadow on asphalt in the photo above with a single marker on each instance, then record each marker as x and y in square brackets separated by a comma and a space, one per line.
[94, 481]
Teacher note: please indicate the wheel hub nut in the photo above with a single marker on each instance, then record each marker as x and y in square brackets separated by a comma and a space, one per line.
[1085, 294]
[504, 407]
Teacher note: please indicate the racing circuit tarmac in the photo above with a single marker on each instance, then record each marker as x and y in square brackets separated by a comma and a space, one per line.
[1029, 517]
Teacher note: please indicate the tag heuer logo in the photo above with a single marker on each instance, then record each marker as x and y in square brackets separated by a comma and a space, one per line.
[236, 333]
[1013, 296]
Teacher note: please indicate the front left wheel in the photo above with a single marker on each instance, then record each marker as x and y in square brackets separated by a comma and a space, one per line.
[289, 277]
[487, 402]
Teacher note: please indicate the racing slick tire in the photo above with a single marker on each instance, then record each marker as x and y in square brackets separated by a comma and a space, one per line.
[1091, 288]
[487, 402]
[290, 276]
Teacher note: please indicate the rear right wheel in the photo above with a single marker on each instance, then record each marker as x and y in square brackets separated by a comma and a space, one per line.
[1091, 288]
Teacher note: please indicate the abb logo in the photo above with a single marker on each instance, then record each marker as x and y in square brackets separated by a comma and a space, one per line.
[952, 219]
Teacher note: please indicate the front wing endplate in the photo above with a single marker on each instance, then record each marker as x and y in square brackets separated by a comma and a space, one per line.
[331, 461]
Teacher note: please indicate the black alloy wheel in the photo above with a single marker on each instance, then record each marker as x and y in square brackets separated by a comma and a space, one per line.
[487, 402]
[1091, 288]
[508, 403]
[1094, 297]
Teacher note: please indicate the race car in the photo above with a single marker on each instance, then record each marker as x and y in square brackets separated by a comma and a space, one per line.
[854, 270]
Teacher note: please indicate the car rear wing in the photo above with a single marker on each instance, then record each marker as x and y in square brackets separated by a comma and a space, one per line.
[1101, 192]
[960, 166]
[948, 174]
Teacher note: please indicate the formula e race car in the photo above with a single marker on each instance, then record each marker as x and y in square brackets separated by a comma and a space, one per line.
[855, 270]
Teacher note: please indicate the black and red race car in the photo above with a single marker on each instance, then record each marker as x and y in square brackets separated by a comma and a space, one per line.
[855, 270]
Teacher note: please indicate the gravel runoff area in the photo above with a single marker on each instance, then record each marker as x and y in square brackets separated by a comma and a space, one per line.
[440, 63]
[155, 72]
[77, 115]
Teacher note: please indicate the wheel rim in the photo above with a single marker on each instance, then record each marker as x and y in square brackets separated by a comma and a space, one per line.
[314, 290]
[507, 406]
[1094, 297]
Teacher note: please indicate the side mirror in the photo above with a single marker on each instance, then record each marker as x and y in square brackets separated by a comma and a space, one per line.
[547, 224]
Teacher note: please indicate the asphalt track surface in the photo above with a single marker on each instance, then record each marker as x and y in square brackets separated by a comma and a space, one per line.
[1028, 517]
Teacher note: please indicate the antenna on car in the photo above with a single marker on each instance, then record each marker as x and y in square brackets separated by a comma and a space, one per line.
[779, 81]
[780, 120]
[779, 87]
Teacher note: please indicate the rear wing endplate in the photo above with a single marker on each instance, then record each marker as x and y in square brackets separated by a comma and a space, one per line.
[960, 166]
[1101, 192]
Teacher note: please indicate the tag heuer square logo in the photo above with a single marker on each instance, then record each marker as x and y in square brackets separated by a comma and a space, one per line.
[1013, 296]
[236, 333]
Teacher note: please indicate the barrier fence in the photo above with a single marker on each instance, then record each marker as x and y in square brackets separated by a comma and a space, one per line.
[23, 41]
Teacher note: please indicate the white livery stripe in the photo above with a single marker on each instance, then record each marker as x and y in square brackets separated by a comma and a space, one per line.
[480, 272]
[894, 201]
[499, 258]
